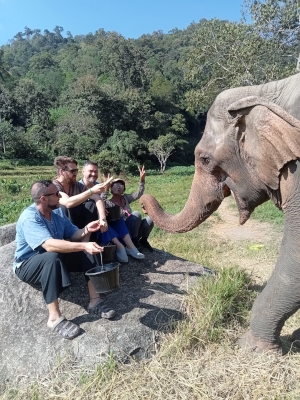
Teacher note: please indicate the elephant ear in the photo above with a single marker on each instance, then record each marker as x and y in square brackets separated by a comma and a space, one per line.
[269, 137]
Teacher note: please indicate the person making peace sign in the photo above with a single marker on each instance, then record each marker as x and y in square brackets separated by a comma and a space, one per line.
[139, 228]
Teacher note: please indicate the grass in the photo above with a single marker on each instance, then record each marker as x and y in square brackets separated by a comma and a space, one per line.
[213, 307]
[268, 212]
[197, 358]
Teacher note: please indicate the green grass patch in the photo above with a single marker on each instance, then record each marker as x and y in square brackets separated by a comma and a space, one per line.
[268, 212]
[214, 306]
[15, 191]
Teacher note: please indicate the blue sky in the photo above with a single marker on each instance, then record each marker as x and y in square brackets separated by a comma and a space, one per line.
[131, 18]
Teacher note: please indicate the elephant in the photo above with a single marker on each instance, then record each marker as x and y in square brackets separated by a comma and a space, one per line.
[251, 147]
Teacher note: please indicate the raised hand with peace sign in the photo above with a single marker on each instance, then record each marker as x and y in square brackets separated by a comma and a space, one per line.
[142, 173]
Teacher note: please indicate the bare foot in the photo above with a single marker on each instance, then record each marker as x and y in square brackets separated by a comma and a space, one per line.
[93, 301]
[51, 321]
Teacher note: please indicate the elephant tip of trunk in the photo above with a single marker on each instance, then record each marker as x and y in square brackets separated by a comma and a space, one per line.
[145, 201]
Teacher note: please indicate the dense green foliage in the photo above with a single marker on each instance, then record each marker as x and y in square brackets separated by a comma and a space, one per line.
[115, 99]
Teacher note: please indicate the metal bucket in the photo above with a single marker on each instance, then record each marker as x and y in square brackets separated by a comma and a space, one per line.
[104, 278]
[114, 214]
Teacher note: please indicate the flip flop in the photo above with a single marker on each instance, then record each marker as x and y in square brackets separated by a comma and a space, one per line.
[101, 310]
[67, 329]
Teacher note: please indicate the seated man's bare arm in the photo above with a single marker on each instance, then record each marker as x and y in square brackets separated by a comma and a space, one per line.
[64, 246]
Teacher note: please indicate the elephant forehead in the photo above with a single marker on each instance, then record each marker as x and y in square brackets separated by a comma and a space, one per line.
[215, 134]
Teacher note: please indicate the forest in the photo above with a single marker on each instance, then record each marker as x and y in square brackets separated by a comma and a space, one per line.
[128, 101]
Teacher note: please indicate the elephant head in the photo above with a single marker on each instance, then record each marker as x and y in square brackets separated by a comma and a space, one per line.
[246, 144]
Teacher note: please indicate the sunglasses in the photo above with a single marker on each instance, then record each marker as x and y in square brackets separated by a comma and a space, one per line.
[50, 194]
[73, 171]
[118, 184]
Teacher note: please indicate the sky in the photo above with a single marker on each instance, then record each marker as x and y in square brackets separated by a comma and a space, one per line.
[130, 18]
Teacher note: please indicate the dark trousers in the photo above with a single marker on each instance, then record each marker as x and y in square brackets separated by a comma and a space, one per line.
[51, 271]
[139, 227]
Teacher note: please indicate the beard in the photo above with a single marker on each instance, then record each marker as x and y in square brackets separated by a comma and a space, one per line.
[71, 181]
[92, 179]
[53, 207]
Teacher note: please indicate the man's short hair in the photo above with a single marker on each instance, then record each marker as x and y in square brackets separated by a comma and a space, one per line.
[60, 162]
[39, 189]
[90, 162]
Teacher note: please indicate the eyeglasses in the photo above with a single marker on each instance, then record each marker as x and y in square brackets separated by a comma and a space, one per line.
[118, 184]
[73, 171]
[50, 194]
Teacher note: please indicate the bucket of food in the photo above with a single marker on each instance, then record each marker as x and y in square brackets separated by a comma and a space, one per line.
[114, 214]
[104, 277]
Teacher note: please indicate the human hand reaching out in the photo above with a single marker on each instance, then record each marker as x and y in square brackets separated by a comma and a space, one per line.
[103, 225]
[93, 248]
[102, 187]
[93, 226]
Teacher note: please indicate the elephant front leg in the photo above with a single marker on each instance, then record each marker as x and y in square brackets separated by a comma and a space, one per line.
[249, 341]
[276, 303]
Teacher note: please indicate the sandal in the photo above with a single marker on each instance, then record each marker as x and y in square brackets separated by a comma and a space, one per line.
[101, 310]
[67, 329]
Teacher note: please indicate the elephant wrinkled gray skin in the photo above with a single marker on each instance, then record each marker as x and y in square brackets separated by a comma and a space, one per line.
[251, 145]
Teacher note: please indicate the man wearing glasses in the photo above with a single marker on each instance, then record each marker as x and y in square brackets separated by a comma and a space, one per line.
[48, 246]
[74, 195]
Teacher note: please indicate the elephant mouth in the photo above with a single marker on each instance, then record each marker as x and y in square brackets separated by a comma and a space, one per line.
[244, 210]
[226, 190]
[243, 207]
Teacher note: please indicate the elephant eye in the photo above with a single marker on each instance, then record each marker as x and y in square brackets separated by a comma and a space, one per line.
[205, 160]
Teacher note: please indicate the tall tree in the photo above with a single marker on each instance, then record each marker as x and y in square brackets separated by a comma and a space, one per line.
[164, 147]
[279, 21]
[33, 104]
[227, 54]
[4, 72]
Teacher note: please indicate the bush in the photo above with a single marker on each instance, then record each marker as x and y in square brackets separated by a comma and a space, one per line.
[108, 161]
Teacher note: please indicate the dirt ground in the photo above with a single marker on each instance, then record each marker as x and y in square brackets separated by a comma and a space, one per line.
[256, 244]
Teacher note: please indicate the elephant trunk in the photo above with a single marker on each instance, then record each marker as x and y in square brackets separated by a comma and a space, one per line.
[205, 197]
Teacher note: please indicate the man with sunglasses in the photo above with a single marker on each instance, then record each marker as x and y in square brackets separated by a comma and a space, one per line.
[48, 247]
[80, 204]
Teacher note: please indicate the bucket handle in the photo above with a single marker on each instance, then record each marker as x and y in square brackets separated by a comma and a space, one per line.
[101, 260]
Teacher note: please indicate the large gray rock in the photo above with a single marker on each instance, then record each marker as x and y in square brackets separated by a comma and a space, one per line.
[149, 298]
[7, 234]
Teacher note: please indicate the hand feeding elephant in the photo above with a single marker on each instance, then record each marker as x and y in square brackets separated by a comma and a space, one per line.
[251, 145]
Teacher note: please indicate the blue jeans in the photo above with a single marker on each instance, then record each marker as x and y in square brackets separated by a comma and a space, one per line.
[116, 229]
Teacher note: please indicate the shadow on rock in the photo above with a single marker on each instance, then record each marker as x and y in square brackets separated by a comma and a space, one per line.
[149, 299]
[154, 286]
